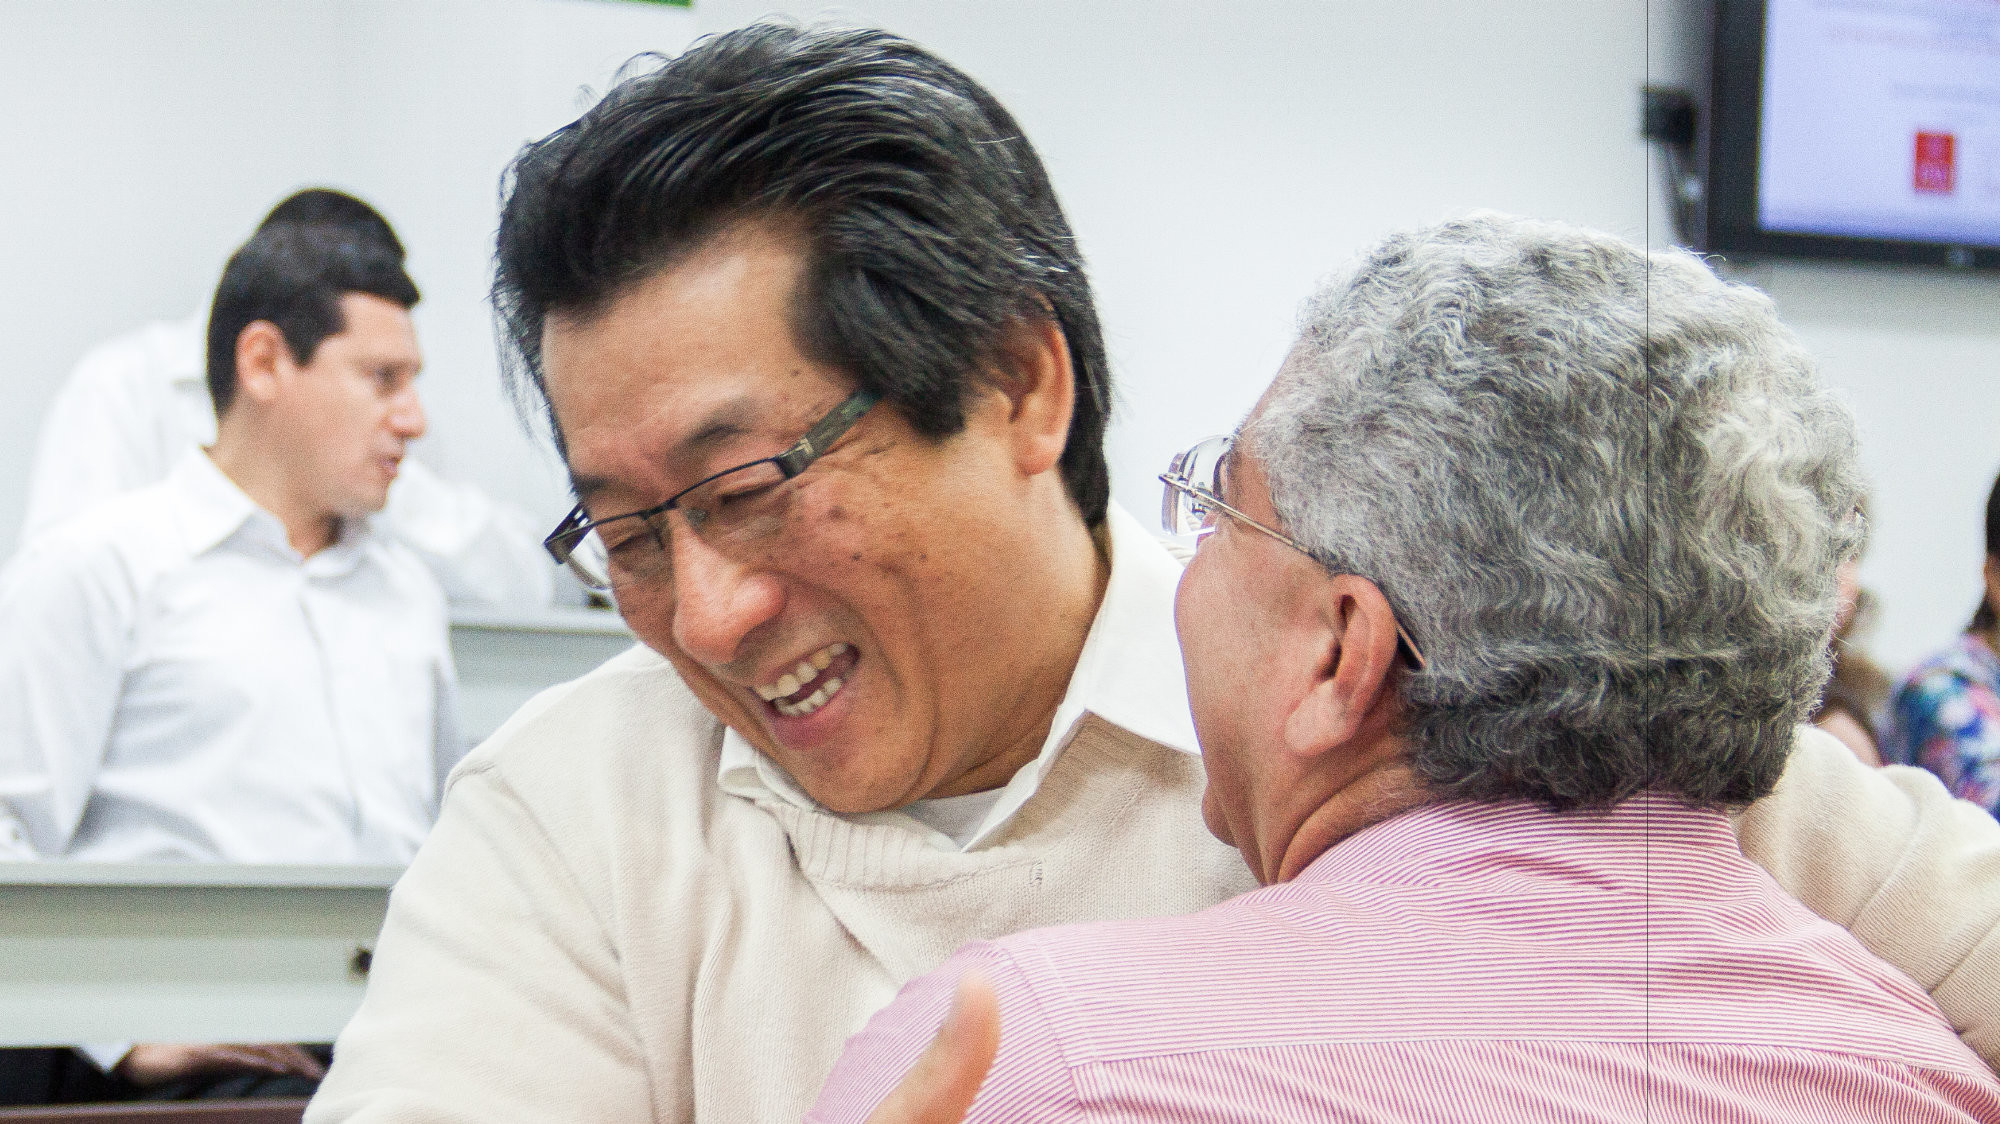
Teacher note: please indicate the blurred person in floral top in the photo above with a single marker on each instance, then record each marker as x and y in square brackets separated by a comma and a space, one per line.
[1946, 715]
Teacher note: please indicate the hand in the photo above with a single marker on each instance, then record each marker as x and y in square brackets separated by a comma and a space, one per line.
[155, 1063]
[940, 1087]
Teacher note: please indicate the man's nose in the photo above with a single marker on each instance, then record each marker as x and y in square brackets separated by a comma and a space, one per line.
[718, 600]
[406, 416]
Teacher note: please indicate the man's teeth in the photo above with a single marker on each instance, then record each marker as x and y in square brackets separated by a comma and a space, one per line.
[808, 669]
[813, 702]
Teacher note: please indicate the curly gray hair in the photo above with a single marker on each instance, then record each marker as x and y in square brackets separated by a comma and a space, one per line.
[1605, 492]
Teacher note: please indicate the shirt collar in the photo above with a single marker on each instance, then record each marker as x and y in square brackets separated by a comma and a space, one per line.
[208, 504]
[211, 509]
[1626, 847]
[1129, 674]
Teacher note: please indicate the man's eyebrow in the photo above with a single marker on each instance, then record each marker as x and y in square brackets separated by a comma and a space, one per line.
[725, 422]
[584, 487]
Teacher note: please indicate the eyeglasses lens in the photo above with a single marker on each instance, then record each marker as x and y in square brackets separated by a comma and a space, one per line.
[736, 511]
[590, 562]
[742, 506]
[1197, 469]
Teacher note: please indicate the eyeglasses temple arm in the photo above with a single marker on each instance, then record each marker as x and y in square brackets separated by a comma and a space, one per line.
[795, 459]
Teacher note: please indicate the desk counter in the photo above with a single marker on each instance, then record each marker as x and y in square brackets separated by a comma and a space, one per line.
[94, 952]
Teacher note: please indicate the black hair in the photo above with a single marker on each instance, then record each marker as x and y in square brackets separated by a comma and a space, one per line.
[929, 225]
[1984, 617]
[323, 206]
[293, 277]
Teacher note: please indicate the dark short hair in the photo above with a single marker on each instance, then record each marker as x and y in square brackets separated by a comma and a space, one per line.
[1985, 617]
[294, 277]
[929, 224]
[323, 206]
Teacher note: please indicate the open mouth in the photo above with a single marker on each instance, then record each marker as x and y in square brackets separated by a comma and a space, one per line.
[812, 683]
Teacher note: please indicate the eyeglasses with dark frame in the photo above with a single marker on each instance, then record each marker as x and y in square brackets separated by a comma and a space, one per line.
[1193, 496]
[734, 505]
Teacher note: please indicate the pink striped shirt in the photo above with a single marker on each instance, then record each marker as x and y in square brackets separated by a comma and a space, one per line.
[1459, 962]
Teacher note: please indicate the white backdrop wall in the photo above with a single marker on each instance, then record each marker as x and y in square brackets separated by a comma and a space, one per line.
[1216, 159]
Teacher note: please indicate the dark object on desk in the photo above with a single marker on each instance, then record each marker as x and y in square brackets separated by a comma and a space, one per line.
[57, 1075]
[44, 1075]
[280, 1111]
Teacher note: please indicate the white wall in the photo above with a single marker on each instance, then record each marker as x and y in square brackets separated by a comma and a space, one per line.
[1215, 158]
[140, 142]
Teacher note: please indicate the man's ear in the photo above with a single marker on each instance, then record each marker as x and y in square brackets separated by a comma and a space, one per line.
[263, 361]
[1349, 696]
[1040, 387]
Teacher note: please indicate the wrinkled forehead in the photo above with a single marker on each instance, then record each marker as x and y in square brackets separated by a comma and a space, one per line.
[694, 363]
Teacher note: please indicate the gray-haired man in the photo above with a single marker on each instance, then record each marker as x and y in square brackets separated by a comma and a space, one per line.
[1519, 576]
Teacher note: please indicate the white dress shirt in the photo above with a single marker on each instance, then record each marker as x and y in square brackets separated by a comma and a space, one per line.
[177, 683]
[136, 404]
[1129, 674]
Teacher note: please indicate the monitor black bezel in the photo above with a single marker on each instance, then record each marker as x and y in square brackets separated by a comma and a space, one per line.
[1733, 136]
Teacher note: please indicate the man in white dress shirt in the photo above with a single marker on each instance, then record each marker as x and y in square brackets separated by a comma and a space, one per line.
[136, 404]
[234, 664]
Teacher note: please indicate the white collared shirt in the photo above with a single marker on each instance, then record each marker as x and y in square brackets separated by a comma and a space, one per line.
[136, 404]
[1129, 674]
[177, 683]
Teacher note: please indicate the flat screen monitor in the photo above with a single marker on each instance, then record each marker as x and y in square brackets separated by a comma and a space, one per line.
[1864, 129]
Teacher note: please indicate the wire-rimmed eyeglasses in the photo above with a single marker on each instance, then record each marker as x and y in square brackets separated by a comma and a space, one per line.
[735, 506]
[1193, 497]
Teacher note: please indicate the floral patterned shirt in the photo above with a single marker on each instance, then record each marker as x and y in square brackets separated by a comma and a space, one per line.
[1946, 718]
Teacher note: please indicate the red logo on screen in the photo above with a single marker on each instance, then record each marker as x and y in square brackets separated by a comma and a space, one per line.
[1935, 171]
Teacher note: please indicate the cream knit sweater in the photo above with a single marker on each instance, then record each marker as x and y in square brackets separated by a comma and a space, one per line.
[595, 932]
